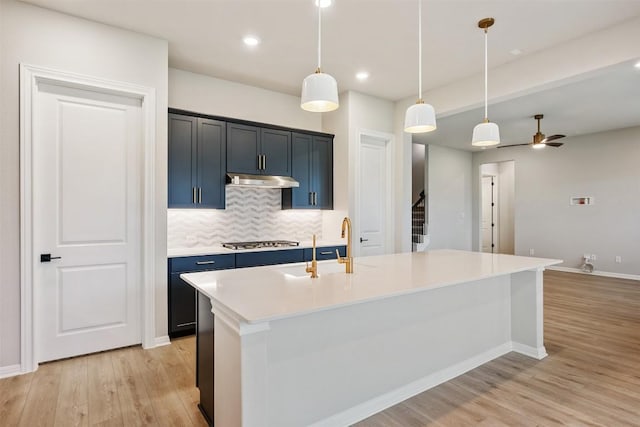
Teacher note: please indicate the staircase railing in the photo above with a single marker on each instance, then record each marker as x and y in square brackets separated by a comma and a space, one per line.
[418, 219]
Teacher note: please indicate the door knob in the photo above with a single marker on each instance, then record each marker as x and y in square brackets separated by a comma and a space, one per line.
[363, 240]
[48, 257]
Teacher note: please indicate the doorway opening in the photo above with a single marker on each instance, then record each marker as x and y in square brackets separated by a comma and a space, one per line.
[497, 193]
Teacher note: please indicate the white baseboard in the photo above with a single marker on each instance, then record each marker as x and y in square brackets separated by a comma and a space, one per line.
[595, 273]
[527, 350]
[10, 371]
[377, 404]
[160, 341]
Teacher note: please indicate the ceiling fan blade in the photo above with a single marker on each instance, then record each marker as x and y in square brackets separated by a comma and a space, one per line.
[513, 145]
[552, 138]
[554, 144]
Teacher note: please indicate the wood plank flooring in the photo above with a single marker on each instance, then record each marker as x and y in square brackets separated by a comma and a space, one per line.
[591, 377]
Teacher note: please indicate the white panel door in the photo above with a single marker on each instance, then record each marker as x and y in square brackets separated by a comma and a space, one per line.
[87, 215]
[373, 194]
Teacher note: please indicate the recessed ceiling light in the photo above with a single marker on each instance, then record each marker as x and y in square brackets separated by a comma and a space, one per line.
[251, 40]
[323, 3]
[637, 65]
[362, 75]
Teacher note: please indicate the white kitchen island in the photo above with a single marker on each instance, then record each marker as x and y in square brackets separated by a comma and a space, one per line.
[296, 351]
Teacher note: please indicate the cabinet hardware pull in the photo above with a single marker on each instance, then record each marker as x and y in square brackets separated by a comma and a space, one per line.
[315, 199]
[199, 194]
[193, 194]
[259, 162]
[185, 324]
[264, 162]
[311, 198]
[326, 253]
[205, 262]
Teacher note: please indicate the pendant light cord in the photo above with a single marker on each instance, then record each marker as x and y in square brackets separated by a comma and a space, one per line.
[419, 49]
[319, 35]
[486, 80]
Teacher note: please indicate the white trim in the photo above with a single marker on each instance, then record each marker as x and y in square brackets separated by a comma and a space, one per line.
[379, 403]
[30, 77]
[160, 341]
[354, 197]
[230, 319]
[596, 273]
[10, 371]
[527, 350]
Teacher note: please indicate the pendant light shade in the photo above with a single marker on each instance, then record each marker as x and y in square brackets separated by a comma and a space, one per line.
[420, 117]
[319, 93]
[319, 90]
[485, 134]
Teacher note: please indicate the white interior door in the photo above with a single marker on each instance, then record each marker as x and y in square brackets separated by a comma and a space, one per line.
[373, 197]
[489, 221]
[87, 210]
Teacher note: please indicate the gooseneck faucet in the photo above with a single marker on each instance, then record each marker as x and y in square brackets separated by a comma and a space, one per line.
[348, 260]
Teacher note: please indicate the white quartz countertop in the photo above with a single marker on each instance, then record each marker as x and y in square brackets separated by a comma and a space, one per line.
[218, 249]
[260, 294]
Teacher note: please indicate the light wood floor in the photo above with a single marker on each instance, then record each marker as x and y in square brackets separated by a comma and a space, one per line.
[591, 377]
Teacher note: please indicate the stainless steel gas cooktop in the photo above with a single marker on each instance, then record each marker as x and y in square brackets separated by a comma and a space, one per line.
[261, 244]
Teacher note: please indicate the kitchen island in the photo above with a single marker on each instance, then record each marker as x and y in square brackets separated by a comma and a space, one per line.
[296, 351]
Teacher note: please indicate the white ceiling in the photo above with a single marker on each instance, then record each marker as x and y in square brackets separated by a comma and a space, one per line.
[380, 36]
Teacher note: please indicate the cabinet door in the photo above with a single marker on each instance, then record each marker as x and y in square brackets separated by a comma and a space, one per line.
[300, 197]
[182, 306]
[326, 252]
[253, 259]
[276, 151]
[211, 163]
[243, 147]
[322, 172]
[182, 163]
[205, 356]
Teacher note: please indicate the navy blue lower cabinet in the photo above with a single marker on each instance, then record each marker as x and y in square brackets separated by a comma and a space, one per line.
[325, 252]
[254, 259]
[182, 296]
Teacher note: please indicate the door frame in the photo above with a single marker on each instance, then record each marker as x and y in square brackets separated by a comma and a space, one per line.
[30, 77]
[389, 141]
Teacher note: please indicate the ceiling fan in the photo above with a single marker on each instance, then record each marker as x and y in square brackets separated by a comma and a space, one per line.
[539, 139]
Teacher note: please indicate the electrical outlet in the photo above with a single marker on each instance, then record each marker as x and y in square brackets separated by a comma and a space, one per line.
[587, 257]
[532, 252]
[618, 259]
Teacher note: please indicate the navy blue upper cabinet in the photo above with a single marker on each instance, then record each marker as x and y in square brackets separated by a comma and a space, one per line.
[312, 167]
[258, 151]
[197, 162]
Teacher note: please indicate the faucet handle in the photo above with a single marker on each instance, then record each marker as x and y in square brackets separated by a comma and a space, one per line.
[339, 258]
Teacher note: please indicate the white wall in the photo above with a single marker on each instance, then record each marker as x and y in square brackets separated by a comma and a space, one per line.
[208, 95]
[36, 36]
[603, 165]
[357, 112]
[450, 180]
[417, 171]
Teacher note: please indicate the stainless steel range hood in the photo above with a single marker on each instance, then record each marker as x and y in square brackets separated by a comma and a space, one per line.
[262, 181]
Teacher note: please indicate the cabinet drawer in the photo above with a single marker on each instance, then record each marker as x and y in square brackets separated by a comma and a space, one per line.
[253, 259]
[325, 252]
[201, 263]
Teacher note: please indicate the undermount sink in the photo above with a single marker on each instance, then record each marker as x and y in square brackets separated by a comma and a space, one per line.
[324, 267]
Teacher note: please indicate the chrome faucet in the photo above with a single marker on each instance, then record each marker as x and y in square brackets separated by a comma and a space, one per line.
[348, 260]
[314, 264]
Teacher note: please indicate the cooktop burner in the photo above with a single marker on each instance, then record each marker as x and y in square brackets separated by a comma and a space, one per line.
[262, 244]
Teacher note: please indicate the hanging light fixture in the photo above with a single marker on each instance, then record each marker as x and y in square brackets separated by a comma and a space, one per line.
[420, 117]
[319, 90]
[485, 134]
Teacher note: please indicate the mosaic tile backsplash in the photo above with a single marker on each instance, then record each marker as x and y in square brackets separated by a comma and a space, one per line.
[250, 214]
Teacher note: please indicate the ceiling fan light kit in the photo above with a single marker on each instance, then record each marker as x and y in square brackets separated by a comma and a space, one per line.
[485, 134]
[420, 117]
[319, 90]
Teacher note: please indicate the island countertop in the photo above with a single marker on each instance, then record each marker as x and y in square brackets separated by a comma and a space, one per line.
[262, 294]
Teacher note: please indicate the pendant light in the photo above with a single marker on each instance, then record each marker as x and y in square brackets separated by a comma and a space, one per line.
[420, 117]
[319, 90]
[485, 134]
